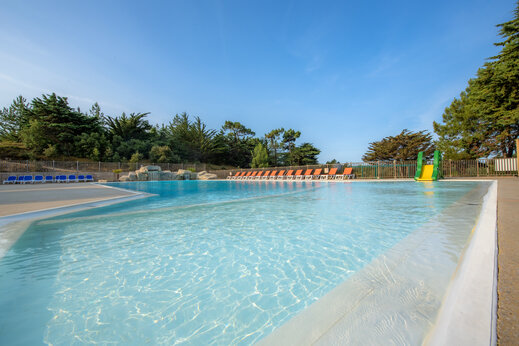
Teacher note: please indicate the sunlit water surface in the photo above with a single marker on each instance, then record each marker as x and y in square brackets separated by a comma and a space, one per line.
[202, 262]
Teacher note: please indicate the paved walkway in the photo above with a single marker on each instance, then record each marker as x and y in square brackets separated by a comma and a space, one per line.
[15, 199]
[508, 261]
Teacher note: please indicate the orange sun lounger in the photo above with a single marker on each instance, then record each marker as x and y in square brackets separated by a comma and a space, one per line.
[290, 174]
[299, 174]
[273, 175]
[317, 173]
[234, 176]
[347, 173]
[331, 174]
[253, 175]
[266, 175]
[308, 174]
[280, 175]
[259, 175]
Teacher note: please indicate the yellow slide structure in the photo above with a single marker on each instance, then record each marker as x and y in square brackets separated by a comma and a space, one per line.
[427, 172]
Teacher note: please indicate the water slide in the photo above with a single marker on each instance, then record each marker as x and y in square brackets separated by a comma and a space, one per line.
[425, 172]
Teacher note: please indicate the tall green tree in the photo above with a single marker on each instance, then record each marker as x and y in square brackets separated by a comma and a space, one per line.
[289, 144]
[202, 141]
[14, 119]
[178, 136]
[53, 122]
[95, 111]
[274, 141]
[305, 154]
[260, 157]
[484, 120]
[404, 146]
[134, 126]
[192, 140]
[239, 143]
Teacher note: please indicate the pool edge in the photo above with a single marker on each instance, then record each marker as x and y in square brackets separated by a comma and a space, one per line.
[13, 226]
[468, 313]
[315, 322]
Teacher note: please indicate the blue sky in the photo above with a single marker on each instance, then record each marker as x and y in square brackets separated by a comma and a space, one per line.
[344, 73]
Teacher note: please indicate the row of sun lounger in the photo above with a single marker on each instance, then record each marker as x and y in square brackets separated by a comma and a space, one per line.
[29, 179]
[309, 174]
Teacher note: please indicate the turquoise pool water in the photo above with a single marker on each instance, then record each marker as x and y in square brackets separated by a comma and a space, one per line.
[202, 262]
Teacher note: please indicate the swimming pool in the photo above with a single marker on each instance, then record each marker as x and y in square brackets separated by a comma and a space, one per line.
[200, 262]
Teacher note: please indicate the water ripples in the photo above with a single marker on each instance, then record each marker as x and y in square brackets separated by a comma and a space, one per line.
[218, 272]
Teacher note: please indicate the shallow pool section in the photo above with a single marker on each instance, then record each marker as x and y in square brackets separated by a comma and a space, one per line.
[207, 262]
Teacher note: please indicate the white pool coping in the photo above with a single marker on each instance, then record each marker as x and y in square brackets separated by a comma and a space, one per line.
[468, 314]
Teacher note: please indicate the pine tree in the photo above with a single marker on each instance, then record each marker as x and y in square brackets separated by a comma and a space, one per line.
[260, 157]
[404, 146]
[484, 120]
[14, 119]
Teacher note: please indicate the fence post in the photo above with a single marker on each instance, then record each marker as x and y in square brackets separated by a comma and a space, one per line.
[118, 165]
[27, 165]
[450, 168]
[77, 167]
[477, 167]
[378, 169]
[394, 168]
[53, 168]
[99, 166]
[517, 153]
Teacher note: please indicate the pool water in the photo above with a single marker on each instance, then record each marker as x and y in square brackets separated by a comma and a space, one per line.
[202, 262]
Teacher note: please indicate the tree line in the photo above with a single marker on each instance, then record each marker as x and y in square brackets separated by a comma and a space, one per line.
[47, 127]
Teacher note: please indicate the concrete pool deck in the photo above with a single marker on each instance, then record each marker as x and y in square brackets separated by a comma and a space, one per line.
[508, 261]
[21, 199]
[17, 199]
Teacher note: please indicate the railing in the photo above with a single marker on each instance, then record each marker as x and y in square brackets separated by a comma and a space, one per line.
[362, 170]
[479, 168]
[13, 166]
[404, 169]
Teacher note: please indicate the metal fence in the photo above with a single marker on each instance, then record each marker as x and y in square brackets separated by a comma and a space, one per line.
[405, 169]
[361, 170]
[100, 170]
[85, 166]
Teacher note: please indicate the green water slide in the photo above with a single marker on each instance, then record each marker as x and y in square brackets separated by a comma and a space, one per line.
[425, 172]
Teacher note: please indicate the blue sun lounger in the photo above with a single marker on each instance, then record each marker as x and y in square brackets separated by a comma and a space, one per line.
[89, 178]
[28, 179]
[80, 178]
[10, 179]
[38, 178]
[20, 179]
[71, 179]
[61, 179]
[49, 179]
